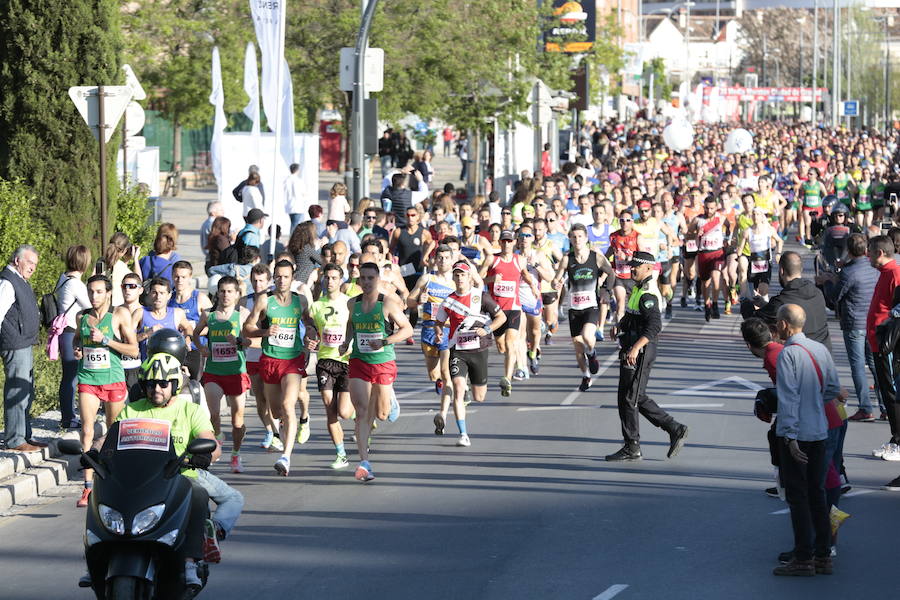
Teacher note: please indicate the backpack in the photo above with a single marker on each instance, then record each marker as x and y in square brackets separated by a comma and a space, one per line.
[49, 306]
[232, 254]
[144, 299]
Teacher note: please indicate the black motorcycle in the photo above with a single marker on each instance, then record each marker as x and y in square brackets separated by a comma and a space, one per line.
[138, 514]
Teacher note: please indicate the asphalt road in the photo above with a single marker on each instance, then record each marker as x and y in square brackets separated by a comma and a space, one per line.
[531, 510]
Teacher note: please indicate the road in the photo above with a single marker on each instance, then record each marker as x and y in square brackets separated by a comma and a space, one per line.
[530, 510]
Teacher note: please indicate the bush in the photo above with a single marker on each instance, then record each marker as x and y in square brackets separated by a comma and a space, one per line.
[20, 224]
[133, 217]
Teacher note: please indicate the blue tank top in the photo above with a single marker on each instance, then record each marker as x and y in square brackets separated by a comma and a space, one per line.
[672, 222]
[191, 311]
[599, 242]
[148, 321]
[432, 296]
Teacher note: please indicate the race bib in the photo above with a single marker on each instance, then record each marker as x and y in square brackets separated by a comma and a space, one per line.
[144, 434]
[690, 245]
[333, 337]
[623, 271]
[96, 359]
[759, 266]
[285, 337]
[505, 289]
[364, 342]
[223, 352]
[584, 299]
[467, 340]
[407, 269]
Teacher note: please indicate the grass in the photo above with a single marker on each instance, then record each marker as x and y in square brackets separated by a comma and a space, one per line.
[47, 374]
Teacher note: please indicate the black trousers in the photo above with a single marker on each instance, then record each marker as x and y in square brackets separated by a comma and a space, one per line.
[885, 369]
[633, 399]
[804, 487]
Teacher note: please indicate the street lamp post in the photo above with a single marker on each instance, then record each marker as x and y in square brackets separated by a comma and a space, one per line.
[687, 42]
[815, 77]
[835, 63]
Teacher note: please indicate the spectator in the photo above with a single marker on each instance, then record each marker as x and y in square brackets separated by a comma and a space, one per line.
[400, 198]
[19, 325]
[338, 205]
[546, 163]
[159, 262]
[251, 234]
[303, 246]
[418, 188]
[120, 251]
[71, 298]
[219, 240]
[806, 380]
[794, 290]
[279, 246]
[402, 151]
[448, 140]
[296, 203]
[370, 224]
[214, 210]
[238, 192]
[249, 257]
[881, 256]
[251, 195]
[851, 293]
[315, 215]
[462, 151]
[422, 163]
[385, 150]
[338, 230]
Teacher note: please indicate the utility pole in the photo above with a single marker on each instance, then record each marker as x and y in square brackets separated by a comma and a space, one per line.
[815, 77]
[835, 63]
[357, 153]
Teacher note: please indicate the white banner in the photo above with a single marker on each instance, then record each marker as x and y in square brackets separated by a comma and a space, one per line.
[268, 21]
[251, 87]
[286, 124]
[217, 99]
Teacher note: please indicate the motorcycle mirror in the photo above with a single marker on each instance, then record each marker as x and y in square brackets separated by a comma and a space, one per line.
[71, 447]
[202, 446]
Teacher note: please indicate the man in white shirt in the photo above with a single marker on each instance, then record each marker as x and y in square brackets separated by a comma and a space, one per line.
[213, 210]
[296, 204]
[19, 326]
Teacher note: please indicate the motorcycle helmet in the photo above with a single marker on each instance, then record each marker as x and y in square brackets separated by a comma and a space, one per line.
[167, 341]
[830, 201]
[162, 367]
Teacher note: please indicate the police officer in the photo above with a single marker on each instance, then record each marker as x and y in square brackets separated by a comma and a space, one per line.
[637, 333]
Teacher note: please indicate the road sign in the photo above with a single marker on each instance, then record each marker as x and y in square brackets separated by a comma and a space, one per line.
[87, 101]
[134, 119]
[850, 108]
[131, 80]
[374, 76]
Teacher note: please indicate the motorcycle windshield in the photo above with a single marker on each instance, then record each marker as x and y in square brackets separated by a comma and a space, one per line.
[135, 470]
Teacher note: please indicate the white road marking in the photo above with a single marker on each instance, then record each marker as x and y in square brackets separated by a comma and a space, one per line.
[611, 592]
[534, 408]
[858, 493]
[783, 511]
[703, 389]
[691, 405]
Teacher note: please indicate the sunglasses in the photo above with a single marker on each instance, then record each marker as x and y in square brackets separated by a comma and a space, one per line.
[625, 220]
[526, 235]
[468, 227]
[506, 212]
[130, 286]
[160, 383]
[353, 265]
[371, 217]
[501, 241]
[412, 214]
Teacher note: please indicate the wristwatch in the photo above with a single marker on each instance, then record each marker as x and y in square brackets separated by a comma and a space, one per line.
[105, 340]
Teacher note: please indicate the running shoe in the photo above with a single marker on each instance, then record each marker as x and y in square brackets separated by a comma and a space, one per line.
[534, 364]
[364, 472]
[519, 375]
[267, 440]
[585, 384]
[340, 462]
[548, 339]
[220, 437]
[236, 465]
[395, 409]
[598, 335]
[862, 416]
[277, 444]
[467, 397]
[728, 307]
[438, 386]
[505, 386]
[883, 416]
[593, 363]
[669, 310]
[698, 308]
[409, 341]
[715, 310]
[303, 433]
[772, 492]
[676, 440]
[707, 313]
[85, 496]
[211, 551]
[891, 453]
[439, 424]
[893, 485]
[463, 440]
[879, 452]
[683, 302]
[283, 466]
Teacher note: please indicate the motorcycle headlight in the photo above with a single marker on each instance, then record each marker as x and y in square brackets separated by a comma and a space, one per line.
[147, 519]
[169, 538]
[112, 519]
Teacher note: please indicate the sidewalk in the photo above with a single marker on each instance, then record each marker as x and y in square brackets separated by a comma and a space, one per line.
[188, 211]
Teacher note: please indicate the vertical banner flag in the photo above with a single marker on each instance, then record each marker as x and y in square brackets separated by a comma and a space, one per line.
[217, 99]
[251, 88]
[287, 116]
[267, 21]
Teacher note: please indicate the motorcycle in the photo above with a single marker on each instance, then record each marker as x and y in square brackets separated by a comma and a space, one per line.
[139, 513]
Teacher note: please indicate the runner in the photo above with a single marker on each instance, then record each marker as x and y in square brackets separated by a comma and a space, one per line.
[550, 298]
[743, 222]
[472, 317]
[326, 327]
[131, 294]
[159, 315]
[283, 363]
[429, 292]
[675, 221]
[586, 271]
[622, 245]
[376, 323]
[104, 336]
[761, 239]
[407, 244]
[812, 191]
[690, 208]
[502, 275]
[225, 373]
[863, 203]
[541, 270]
[711, 229]
[193, 303]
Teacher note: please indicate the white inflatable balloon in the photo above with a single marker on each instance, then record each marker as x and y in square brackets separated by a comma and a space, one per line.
[678, 135]
[739, 141]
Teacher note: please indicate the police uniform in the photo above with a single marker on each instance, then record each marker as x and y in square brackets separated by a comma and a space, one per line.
[642, 319]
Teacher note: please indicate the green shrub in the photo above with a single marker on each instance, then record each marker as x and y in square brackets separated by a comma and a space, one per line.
[20, 224]
[133, 217]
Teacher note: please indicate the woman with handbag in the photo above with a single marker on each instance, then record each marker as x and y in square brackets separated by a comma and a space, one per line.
[71, 298]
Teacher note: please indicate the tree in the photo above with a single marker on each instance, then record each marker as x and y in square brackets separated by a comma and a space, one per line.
[47, 46]
[169, 45]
